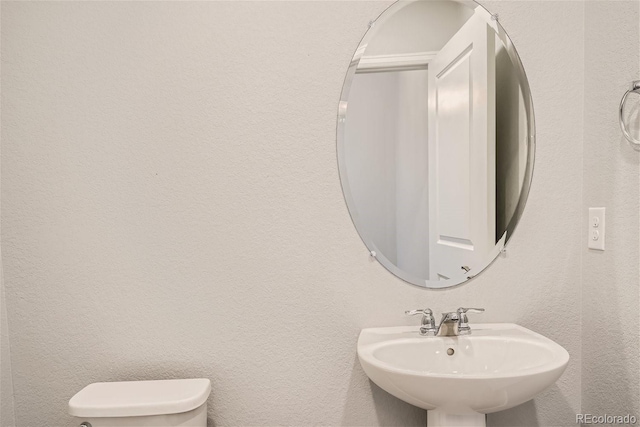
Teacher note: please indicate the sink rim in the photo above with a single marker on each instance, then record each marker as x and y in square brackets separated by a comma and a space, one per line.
[559, 357]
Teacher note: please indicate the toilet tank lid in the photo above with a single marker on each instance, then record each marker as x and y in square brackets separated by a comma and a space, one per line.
[139, 398]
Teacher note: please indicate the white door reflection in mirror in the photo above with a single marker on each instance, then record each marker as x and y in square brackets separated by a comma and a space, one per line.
[462, 152]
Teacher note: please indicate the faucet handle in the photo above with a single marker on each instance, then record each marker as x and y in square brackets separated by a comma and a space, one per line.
[428, 324]
[463, 321]
[425, 311]
[463, 310]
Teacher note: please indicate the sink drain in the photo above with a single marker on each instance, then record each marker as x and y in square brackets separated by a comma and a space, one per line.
[450, 351]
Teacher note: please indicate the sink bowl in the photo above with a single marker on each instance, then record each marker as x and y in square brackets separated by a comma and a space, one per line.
[460, 379]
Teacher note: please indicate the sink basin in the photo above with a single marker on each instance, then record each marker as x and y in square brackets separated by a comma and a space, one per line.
[460, 379]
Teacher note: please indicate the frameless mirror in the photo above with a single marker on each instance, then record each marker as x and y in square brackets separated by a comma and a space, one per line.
[435, 140]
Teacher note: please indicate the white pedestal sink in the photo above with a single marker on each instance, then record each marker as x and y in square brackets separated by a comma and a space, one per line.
[460, 379]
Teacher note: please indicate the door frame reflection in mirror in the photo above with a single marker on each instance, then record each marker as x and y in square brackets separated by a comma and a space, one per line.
[417, 61]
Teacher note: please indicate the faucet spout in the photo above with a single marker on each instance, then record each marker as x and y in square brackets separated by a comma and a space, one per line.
[448, 326]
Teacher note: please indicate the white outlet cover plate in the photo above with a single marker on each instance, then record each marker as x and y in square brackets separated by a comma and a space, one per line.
[595, 235]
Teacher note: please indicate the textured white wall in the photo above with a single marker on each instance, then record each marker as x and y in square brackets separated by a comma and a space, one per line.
[7, 413]
[171, 208]
[611, 279]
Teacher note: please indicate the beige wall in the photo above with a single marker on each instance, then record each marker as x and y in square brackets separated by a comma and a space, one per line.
[7, 414]
[611, 279]
[172, 208]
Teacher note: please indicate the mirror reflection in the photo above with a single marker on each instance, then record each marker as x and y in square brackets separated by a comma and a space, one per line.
[435, 140]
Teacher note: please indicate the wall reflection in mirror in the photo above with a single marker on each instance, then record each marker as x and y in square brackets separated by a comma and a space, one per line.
[435, 140]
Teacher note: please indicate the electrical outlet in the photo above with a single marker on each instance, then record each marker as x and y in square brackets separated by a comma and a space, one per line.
[595, 237]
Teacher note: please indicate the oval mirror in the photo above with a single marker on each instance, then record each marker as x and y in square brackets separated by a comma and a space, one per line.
[435, 140]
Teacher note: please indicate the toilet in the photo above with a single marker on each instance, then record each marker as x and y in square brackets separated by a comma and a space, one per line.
[162, 403]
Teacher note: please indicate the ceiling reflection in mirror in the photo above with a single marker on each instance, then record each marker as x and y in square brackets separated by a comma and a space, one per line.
[435, 140]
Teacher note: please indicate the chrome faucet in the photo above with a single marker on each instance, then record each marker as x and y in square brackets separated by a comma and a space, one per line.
[428, 323]
[463, 321]
[452, 324]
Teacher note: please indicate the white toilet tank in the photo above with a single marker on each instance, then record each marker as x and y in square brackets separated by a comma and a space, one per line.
[163, 403]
